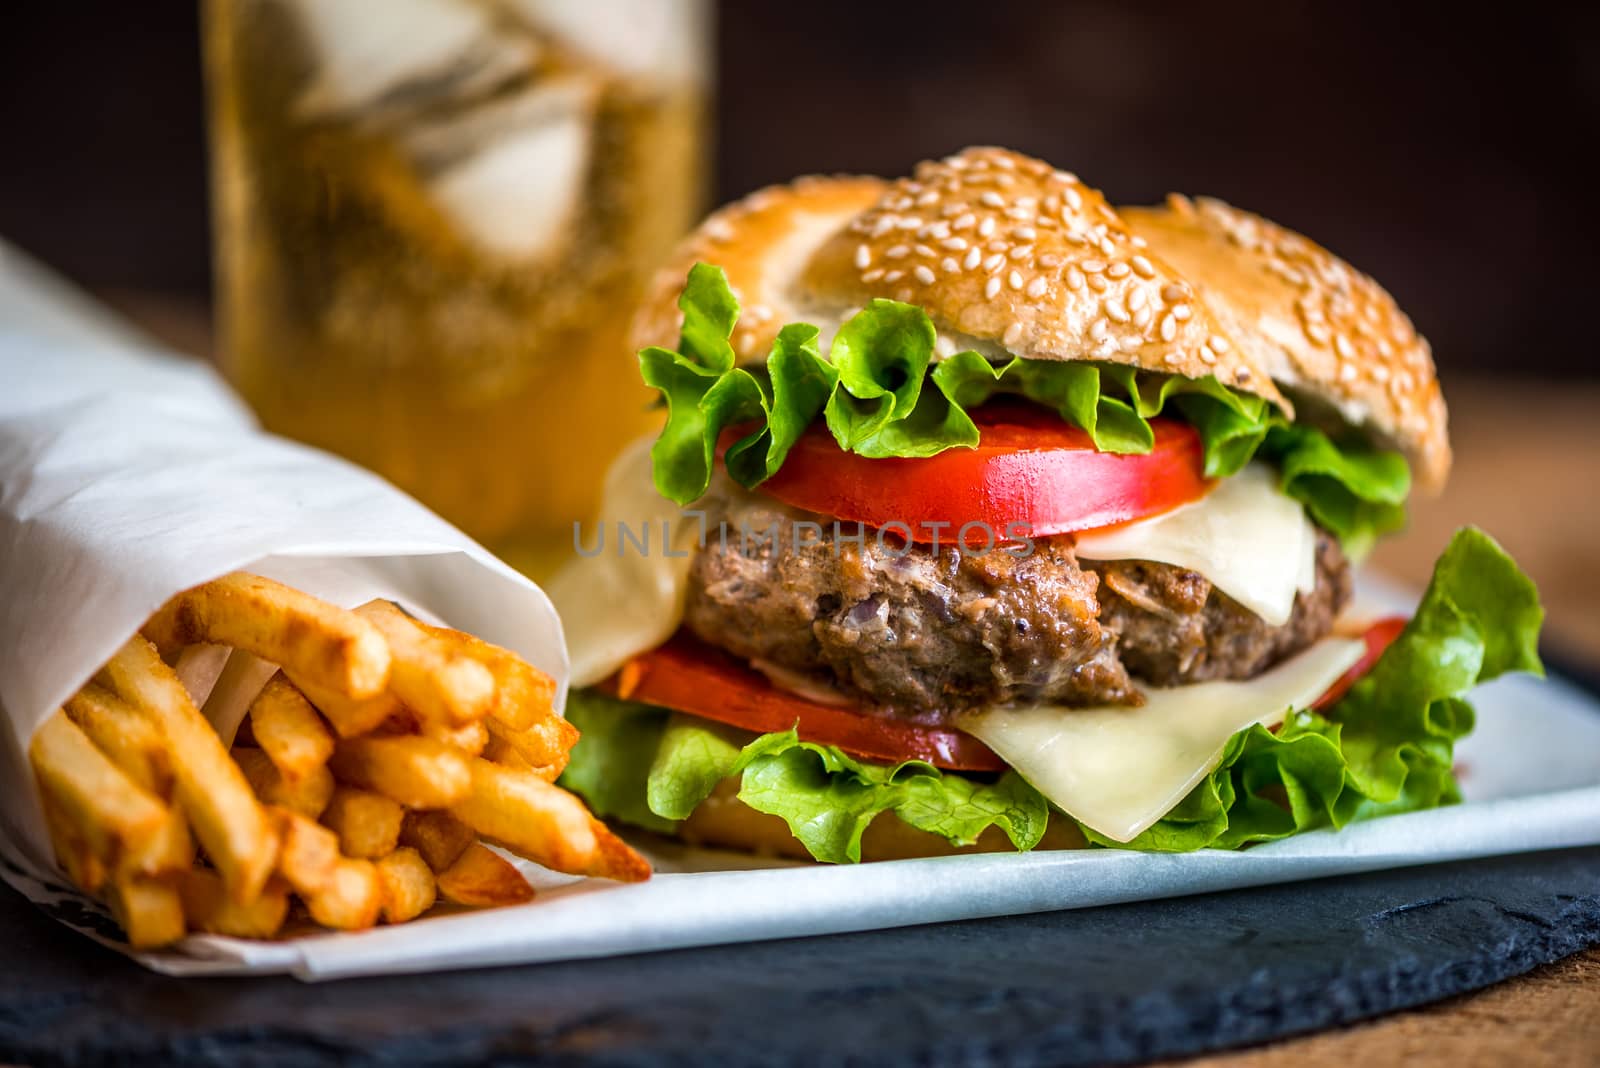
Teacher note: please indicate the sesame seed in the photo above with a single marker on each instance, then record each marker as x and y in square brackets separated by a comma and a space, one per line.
[990, 288]
[949, 265]
[902, 204]
[1049, 261]
[863, 257]
[1142, 317]
[928, 198]
[956, 162]
[884, 224]
[1037, 287]
[923, 274]
[993, 263]
[1098, 330]
[1021, 252]
[1073, 200]
[965, 222]
[1342, 346]
[1092, 266]
[1076, 237]
[897, 252]
[986, 228]
[719, 231]
[1138, 242]
[1173, 358]
[970, 260]
[923, 251]
[1116, 311]
[1003, 179]
[1117, 270]
[1182, 312]
[1136, 298]
[1098, 283]
[1169, 327]
[873, 275]
[1172, 292]
[1004, 163]
[1024, 233]
[1318, 333]
[1074, 278]
[911, 222]
[1105, 350]
[1012, 335]
[894, 276]
[903, 294]
[1206, 355]
[1219, 343]
[1014, 279]
[955, 244]
[997, 245]
[1107, 249]
[992, 199]
[1379, 373]
[1020, 214]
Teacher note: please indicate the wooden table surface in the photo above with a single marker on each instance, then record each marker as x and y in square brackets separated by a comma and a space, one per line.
[1527, 470]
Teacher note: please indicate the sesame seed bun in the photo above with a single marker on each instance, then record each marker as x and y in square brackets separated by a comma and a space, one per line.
[722, 821]
[1007, 254]
[1328, 334]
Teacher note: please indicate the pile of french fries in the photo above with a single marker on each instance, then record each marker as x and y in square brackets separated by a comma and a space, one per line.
[366, 779]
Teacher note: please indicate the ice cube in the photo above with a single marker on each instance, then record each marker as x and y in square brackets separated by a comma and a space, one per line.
[369, 54]
[511, 173]
[654, 40]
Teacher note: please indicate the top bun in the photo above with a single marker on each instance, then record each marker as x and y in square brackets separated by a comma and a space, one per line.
[1328, 334]
[1012, 257]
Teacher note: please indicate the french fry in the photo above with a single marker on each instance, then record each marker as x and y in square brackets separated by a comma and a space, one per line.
[321, 642]
[287, 728]
[308, 795]
[529, 816]
[615, 859]
[500, 751]
[408, 885]
[439, 837]
[367, 823]
[351, 899]
[112, 814]
[542, 748]
[223, 811]
[210, 908]
[483, 878]
[309, 852]
[470, 739]
[417, 772]
[522, 693]
[122, 733]
[169, 852]
[443, 687]
[149, 911]
[85, 870]
[350, 716]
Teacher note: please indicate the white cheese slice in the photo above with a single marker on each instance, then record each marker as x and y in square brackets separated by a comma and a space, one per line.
[1254, 543]
[628, 596]
[1119, 770]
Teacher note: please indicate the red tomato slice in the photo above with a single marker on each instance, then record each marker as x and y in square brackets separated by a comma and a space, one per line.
[1032, 475]
[688, 675]
[1378, 636]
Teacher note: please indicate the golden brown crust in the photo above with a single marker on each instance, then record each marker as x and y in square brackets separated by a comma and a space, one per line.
[763, 243]
[1320, 327]
[1007, 250]
[722, 821]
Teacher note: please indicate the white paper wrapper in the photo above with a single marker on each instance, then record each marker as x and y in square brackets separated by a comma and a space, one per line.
[1531, 773]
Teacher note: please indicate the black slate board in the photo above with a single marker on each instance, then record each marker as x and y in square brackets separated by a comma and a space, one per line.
[1116, 984]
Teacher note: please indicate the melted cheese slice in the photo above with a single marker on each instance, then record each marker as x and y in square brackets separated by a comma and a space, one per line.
[1119, 770]
[625, 598]
[1253, 543]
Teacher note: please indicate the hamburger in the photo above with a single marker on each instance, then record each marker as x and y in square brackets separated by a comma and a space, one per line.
[986, 515]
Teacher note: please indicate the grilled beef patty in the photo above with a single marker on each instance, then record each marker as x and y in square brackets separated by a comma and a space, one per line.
[925, 634]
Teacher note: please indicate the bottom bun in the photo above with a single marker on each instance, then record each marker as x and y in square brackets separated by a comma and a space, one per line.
[722, 821]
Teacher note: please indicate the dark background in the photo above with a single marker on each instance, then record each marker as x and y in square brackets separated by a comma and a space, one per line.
[1445, 153]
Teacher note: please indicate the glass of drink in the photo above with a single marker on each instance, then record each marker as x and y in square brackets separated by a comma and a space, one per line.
[432, 220]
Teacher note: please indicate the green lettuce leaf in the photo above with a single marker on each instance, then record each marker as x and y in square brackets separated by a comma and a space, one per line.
[1357, 492]
[1387, 746]
[881, 395]
[658, 767]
